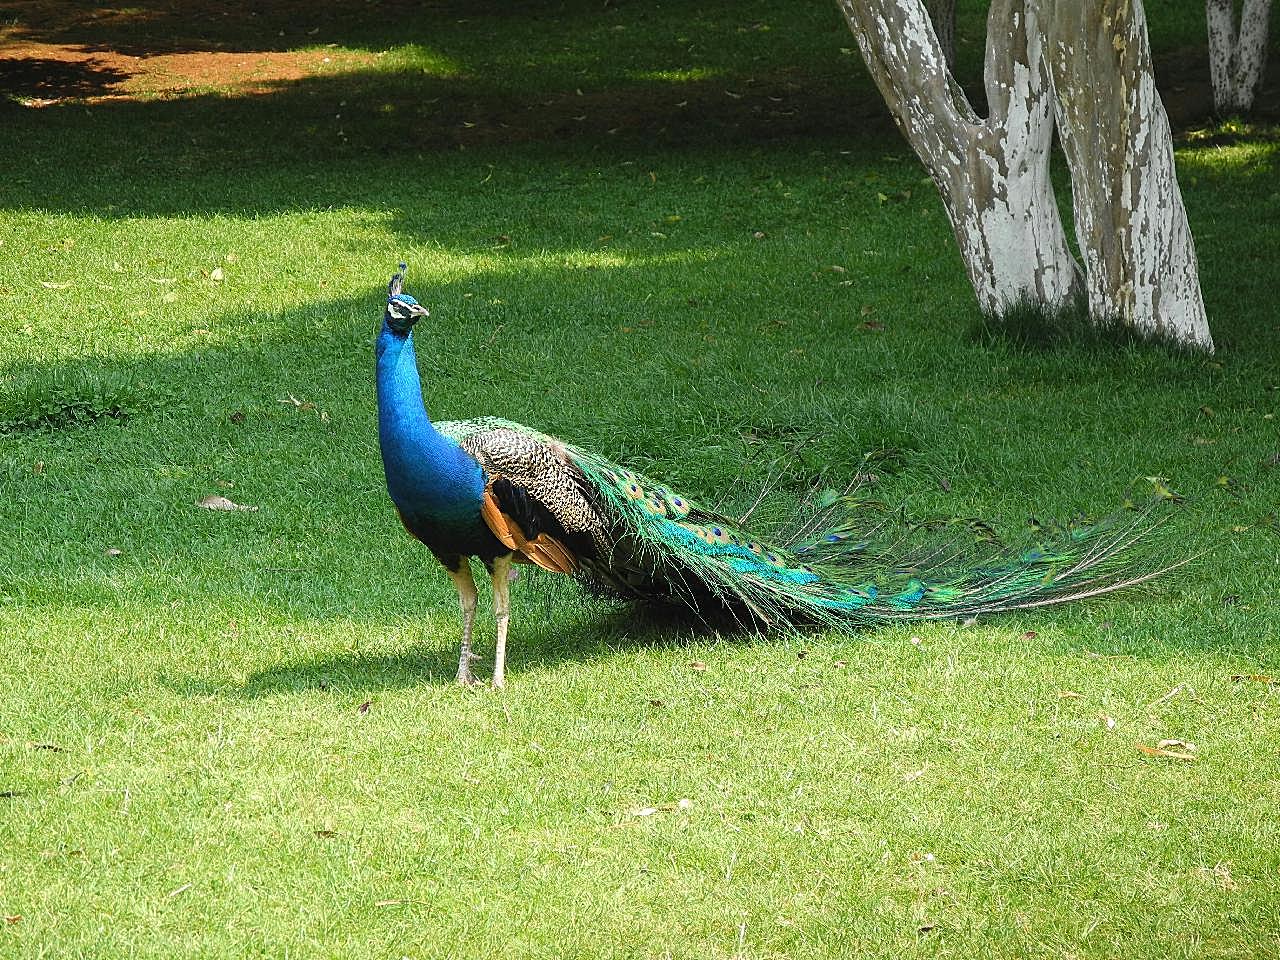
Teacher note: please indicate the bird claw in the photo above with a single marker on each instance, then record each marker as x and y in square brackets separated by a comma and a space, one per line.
[465, 677]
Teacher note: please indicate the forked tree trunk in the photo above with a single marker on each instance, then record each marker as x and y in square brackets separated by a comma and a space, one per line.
[1140, 259]
[1088, 62]
[1237, 59]
[993, 174]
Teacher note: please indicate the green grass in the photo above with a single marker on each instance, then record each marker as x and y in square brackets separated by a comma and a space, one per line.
[187, 763]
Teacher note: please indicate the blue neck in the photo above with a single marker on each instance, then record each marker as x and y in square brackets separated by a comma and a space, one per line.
[428, 475]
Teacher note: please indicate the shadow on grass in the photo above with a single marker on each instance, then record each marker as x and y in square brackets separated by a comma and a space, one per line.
[212, 154]
[359, 671]
[1031, 325]
[551, 625]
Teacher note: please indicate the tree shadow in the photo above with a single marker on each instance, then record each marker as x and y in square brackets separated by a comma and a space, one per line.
[39, 78]
[211, 153]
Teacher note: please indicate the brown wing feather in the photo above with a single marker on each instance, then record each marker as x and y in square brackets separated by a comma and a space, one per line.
[544, 550]
[542, 469]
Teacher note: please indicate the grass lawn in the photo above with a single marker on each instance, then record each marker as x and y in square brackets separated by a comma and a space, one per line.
[685, 236]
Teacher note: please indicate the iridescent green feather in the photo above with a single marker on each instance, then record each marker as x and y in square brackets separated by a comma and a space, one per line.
[841, 568]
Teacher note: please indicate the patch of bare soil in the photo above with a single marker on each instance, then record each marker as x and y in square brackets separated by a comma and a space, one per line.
[52, 52]
[42, 74]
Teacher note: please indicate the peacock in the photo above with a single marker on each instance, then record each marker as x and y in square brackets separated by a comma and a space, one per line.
[505, 493]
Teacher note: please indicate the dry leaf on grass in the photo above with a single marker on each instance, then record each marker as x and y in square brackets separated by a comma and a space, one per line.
[1257, 678]
[215, 502]
[1165, 752]
[640, 813]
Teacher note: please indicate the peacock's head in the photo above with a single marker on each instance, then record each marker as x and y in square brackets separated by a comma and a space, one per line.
[402, 310]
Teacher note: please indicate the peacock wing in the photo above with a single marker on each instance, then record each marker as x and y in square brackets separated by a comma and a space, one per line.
[572, 511]
[537, 501]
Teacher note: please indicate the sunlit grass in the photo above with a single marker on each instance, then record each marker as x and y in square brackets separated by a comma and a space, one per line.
[691, 74]
[1251, 158]
[419, 57]
[235, 733]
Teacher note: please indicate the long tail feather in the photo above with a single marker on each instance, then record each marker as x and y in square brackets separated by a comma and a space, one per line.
[837, 569]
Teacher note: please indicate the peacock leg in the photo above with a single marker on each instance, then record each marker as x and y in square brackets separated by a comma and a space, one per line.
[466, 587]
[502, 614]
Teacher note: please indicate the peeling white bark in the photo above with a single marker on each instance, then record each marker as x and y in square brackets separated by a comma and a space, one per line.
[1237, 59]
[1140, 260]
[1087, 64]
[993, 174]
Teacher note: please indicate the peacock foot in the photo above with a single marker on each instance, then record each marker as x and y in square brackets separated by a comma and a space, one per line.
[465, 677]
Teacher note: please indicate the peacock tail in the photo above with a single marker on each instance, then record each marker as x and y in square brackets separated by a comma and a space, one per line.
[573, 511]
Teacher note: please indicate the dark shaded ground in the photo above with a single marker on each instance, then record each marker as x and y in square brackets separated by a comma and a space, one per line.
[53, 53]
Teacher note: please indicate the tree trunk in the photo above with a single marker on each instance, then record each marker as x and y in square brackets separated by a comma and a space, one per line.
[1140, 260]
[1087, 62]
[1237, 60]
[994, 174]
[943, 15]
